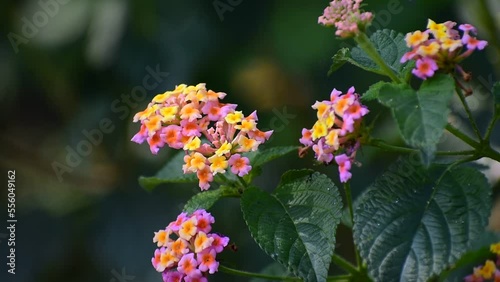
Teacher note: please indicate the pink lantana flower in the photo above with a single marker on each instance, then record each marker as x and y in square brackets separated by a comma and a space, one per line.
[195, 279]
[162, 237]
[141, 136]
[239, 165]
[172, 136]
[473, 278]
[467, 28]
[306, 139]
[473, 43]
[205, 177]
[155, 142]
[194, 119]
[188, 265]
[489, 270]
[322, 153]
[191, 254]
[205, 220]
[172, 276]
[441, 47]
[336, 133]
[207, 262]
[175, 225]
[346, 17]
[190, 128]
[219, 242]
[425, 68]
[155, 261]
[344, 163]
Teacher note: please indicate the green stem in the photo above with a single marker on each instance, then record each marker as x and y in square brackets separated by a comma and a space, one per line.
[243, 183]
[224, 178]
[367, 46]
[344, 264]
[491, 126]
[456, 153]
[256, 275]
[343, 278]
[468, 111]
[459, 134]
[382, 145]
[483, 149]
[230, 192]
[490, 153]
[348, 196]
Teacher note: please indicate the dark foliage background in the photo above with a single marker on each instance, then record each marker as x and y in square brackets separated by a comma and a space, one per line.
[77, 70]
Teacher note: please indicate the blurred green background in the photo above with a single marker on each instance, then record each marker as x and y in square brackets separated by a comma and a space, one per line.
[68, 67]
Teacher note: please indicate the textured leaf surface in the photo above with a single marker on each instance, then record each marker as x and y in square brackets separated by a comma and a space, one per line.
[410, 225]
[205, 200]
[421, 115]
[267, 155]
[390, 45]
[343, 56]
[170, 173]
[373, 91]
[339, 59]
[296, 224]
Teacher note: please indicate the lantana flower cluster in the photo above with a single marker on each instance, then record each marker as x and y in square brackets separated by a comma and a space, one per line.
[186, 248]
[346, 16]
[335, 135]
[490, 271]
[441, 47]
[213, 134]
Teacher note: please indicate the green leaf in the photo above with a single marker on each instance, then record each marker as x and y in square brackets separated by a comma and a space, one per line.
[421, 115]
[339, 59]
[205, 200]
[413, 222]
[261, 157]
[373, 91]
[267, 155]
[391, 46]
[170, 173]
[406, 73]
[344, 56]
[296, 224]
